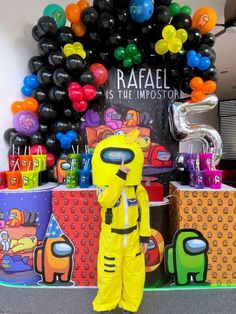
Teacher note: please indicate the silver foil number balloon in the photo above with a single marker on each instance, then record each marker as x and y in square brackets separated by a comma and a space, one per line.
[182, 130]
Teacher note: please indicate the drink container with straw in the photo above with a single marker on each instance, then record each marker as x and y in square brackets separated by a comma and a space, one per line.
[13, 158]
[85, 175]
[14, 181]
[75, 158]
[25, 160]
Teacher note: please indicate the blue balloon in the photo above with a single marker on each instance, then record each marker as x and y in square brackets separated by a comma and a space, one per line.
[65, 141]
[141, 10]
[72, 135]
[204, 64]
[26, 91]
[191, 53]
[193, 61]
[32, 81]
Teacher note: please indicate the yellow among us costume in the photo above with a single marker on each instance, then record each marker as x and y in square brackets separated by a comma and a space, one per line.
[125, 223]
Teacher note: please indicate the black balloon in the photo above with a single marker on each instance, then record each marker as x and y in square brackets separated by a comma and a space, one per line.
[47, 26]
[188, 73]
[210, 74]
[106, 23]
[56, 58]
[89, 55]
[209, 39]
[89, 16]
[40, 94]
[65, 35]
[51, 144]
[37, 138]
[45, 76]
[181, 20]
[35, 34]
[43, 128]
[163, 2]
[19, 140]
[57, 94]
[162, 15]
[94, 38]
[100, 94]
[86, 78]
[47, 112]
[35, 63]
[185, 87]
[75, 127]
[106, 58]
[207, 51]
[46, 46]
[8, 134]
[61, 77]
[75, 63]
[60, 126]
[132, 39]
[177, 59]
[103, 5]
[115, 40]
[121, 16]
[77, 142]
[194, 38]
[174, 75]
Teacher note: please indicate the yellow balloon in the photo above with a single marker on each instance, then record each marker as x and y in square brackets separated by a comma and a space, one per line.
[78, 46]
[182, 35]
[68, 50]
[161, 47]
[82, 53]
[168, 32]
[175, 45]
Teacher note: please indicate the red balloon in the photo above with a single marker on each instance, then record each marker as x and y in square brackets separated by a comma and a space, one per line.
[76, 92]
[100, 73]
[50, 160]
[38, 149]
[89, 92]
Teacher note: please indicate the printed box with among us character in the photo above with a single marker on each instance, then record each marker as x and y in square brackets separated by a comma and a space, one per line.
[78, 213]
[212, 212]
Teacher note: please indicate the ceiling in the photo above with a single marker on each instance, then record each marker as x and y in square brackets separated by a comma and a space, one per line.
[224, 47]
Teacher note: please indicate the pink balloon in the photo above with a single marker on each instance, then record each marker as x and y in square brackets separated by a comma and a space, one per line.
[89, 92]
[76, 92]
[80, 106]
[38, 149]
[50, 160]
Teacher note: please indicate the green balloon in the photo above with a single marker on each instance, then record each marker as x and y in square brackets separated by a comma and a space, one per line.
[186, 9]
[174, 8]
[131, 50]
[137, 59]
[128, 62]
[57, 13]
[119, 53]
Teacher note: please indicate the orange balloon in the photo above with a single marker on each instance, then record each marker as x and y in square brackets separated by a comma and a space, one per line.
[79, 29]
[204, 19]
[31, 104]
[83, 4]
[17, 106]
[209, 87]
[73, 12]
[197, 95]
[196, 83]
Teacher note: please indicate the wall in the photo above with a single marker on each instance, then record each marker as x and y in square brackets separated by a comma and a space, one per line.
[17, 19]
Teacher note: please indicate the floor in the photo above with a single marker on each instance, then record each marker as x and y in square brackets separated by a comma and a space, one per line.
[78, 301]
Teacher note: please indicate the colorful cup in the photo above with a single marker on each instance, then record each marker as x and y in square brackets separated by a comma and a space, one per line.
[198, 179]
[213, 178]
[84, 178]
[75, 160]
[26, 162]
[191, 161]
[39, 162]
[14, 181]
[12, 160]
[27, 179]
[3, 180]
[191, 178]
[86, 161]
[206, 161]
[72, 178]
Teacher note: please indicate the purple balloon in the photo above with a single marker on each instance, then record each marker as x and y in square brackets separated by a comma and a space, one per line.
[26, 122]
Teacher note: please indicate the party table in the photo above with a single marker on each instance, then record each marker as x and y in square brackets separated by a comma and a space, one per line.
[212, 212]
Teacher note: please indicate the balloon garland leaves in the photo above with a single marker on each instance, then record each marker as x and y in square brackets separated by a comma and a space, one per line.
[129, 55]
[172, 40]
[201, 89]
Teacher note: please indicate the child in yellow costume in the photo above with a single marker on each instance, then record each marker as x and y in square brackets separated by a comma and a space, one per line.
[117, 168]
